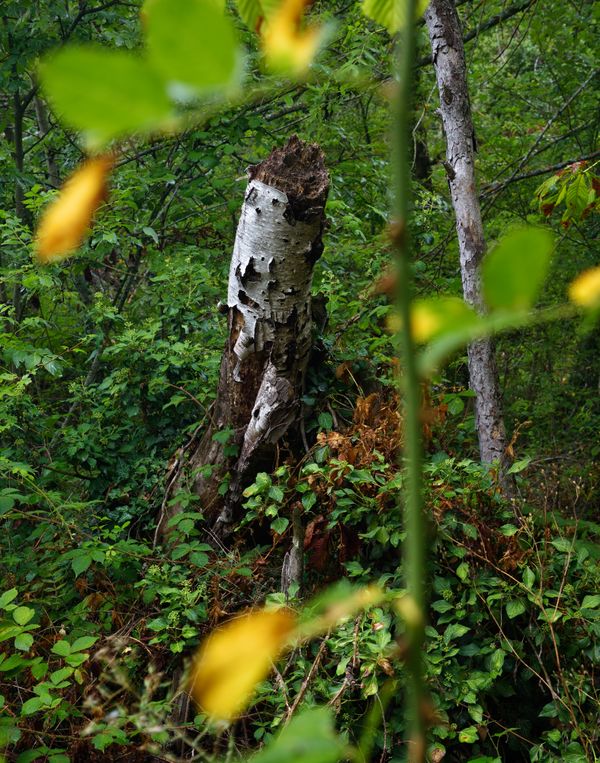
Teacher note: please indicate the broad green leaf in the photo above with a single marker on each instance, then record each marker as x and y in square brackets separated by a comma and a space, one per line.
[251, 12]
[513, 272]
[84, 642]
[24, 642]
[105, 93]
[455, 630]
[280, 525]
[497, 661]
[591, 601]
[309, 738]
[391, 13]
[7, 597]
[22, 615]
[80, 564]
[468, 735]
[191, 42]
[519, 466]
[62, 648]
[59, 675]
[514, 608]
[32, 706]
[528, 577]
[462, 571]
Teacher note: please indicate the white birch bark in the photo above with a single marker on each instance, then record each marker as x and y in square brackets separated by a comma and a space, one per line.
[277, 243]
[447, 47]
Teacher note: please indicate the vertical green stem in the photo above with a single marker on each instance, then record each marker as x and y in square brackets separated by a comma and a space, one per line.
[414, 522]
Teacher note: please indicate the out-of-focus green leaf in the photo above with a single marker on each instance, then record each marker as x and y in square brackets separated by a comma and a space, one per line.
[191, 42]
[104, 93]
[390, 13]
[309, 738]
[513, 272]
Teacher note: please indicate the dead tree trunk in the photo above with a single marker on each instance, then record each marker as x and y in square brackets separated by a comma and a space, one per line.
[445, 35]
[278, 241]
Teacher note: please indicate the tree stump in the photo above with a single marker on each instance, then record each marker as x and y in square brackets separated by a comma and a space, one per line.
[278, 241]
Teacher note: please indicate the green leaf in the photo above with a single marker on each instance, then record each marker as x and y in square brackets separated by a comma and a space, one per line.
[591, 601]
[280, 525]
[32, 706]
[191, 42]
[59, 675]
[105, 93]
[528, 577]
[509, 530]
[62, 648]
[24, 642]
[80, 563]
[454, 630]
[497, 661]
[519, 466]
[515, 608]
[513, 273]
[251, 11]
[7, 597]
[563, 545]
[151, 232]
[462, 571]
[468, 735]
[83, 642]
[309, 738]
[22, 615]
[390, 13]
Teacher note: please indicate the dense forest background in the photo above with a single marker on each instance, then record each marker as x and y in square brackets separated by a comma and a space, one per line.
[110, 364]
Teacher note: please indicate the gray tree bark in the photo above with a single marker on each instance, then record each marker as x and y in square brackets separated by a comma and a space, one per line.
[278, 241]
[447, 47]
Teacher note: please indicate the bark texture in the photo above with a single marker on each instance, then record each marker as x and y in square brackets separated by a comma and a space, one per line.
[278, 241]
[447, 47]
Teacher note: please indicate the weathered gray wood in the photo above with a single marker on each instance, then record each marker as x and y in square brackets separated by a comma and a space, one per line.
[278, 241]
[447, 47]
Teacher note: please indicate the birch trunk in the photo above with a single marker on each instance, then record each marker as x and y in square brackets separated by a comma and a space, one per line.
[278, 241]
[445, 35]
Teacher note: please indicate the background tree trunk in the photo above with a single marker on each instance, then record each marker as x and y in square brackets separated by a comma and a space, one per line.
[447, 47]
[263, 366]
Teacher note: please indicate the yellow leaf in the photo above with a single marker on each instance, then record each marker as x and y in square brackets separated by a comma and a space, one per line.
[66, 221]
[235, 658]
[287, 47]
[424, 322]
[585, 289]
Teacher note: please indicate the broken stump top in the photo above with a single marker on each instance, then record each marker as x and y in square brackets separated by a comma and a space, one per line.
[298, 170]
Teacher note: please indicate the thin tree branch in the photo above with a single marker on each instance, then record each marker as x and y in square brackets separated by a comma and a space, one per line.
[497, 187]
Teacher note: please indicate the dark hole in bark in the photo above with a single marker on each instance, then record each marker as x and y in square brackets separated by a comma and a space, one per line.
[244, 299]
[250, 274]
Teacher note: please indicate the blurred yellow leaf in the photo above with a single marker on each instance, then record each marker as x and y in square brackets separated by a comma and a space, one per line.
[235, 658]
[287, 47]
[425, 323]
[434, 316]
[66, 221]
[585, 289]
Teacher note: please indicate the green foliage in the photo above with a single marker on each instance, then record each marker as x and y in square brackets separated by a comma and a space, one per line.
[514, 272]
[109, 365]
[105, 93]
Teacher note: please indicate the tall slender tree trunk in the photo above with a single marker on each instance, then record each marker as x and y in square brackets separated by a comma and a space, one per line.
[263, 366]
[447, 47]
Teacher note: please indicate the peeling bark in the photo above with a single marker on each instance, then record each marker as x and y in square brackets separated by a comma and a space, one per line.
[278, 241]
[445, 35]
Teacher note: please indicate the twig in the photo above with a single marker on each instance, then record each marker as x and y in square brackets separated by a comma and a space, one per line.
[307, 680]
